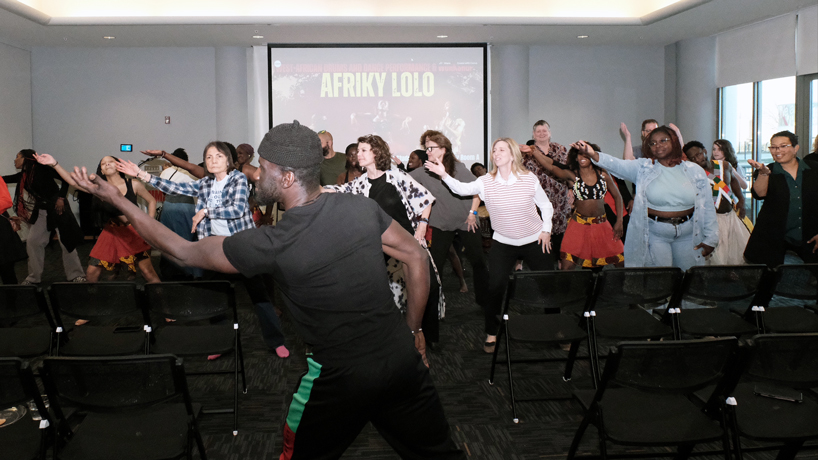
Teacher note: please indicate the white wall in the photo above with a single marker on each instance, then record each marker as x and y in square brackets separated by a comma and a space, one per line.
[696, 93]
[15, 104]
[87, 101]
[584, 92]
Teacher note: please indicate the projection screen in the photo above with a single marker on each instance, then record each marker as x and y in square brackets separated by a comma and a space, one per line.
[394, 91]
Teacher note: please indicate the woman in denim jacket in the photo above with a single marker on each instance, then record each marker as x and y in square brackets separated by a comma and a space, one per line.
[673, 222]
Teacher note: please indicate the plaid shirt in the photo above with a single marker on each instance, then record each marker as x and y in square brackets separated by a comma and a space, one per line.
[235, 208]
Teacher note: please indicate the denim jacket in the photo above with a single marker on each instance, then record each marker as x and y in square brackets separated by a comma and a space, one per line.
[642, 172]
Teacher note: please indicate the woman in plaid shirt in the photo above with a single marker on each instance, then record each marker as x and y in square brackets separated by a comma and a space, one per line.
[222, 209]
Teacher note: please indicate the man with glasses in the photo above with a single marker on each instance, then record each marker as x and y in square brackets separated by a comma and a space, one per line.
[788, 220]
[334, 163]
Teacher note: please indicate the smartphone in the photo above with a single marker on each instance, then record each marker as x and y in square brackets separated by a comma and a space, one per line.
[126, 147]
[783, 394]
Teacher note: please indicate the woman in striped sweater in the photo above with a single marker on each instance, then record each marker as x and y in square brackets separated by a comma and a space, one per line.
[511, 193]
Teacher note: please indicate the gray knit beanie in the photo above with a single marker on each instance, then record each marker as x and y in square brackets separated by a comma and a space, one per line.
[292, 145]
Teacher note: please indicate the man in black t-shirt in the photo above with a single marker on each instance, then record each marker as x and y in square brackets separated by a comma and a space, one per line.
[367, 364]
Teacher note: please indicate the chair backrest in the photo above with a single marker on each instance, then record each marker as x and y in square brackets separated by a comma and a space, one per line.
[734, 287]
[18, 303]
[570, 291]
[645, 286]
[787, 359]
[190, 300]
[798, 282]
[12, 387]
[680, 366]
[115, 384]
[96, 300]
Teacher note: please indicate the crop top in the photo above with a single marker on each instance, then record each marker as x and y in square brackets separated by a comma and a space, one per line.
[583, 191]
[671, 191]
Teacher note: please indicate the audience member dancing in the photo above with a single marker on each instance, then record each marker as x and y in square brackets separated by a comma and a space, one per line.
[13, 248]
[788, 220]
[416, 160]
[177, 215]
[409, 204]
[222, 209]
[118, 244]
[561, 197]
[353, 169]
[723, 151]
[42, 206]
[733, 235]
[327, 254]
[452, 214]
[589, 241]
[510, 193]
[664, 230]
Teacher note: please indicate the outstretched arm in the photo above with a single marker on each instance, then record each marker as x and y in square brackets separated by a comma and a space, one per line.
[206, 253]
[627, 152]
[47, 160]
[194, 169]
[398, 243]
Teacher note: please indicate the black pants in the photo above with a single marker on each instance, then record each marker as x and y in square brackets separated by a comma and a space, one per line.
[502, 259]
[430, 322]
[473, 248]
[333, 402]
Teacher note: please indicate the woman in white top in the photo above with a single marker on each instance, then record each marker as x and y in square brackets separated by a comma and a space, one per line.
[511, 193]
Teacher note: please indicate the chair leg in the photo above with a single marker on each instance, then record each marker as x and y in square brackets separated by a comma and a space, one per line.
[583, 425]
[500, 334]
[510, 380]
[572, 356]
[199, 443]
[236, 387]
[240, 357]
[731, 417]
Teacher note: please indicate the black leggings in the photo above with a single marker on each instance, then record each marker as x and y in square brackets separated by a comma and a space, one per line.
[473, 248]
[502, 259]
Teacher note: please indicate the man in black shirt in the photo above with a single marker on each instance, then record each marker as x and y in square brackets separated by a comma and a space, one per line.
[366, 365]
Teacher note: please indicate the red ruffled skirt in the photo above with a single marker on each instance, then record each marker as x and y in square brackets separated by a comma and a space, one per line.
[119, 244]
[589, 242]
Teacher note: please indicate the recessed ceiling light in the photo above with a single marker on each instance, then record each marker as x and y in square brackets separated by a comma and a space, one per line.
[442, 36]
[258, 36]
[109, 37]
[582, 36]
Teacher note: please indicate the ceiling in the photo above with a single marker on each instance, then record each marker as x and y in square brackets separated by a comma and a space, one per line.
[145, 23]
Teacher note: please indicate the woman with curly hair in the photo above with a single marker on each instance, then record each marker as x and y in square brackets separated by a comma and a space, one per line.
[589, 240]
[673, 222]
[409, 204]
[511, 193]
[118, 244]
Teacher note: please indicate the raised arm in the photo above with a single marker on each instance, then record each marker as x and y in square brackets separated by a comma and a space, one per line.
[194, 169]
[206, 253]
[398, 243]
[173, 188]
[627, 152]
[47, 160]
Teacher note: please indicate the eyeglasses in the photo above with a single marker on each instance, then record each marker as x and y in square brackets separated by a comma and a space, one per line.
[661, 141]
[775, 148]
[429, 149]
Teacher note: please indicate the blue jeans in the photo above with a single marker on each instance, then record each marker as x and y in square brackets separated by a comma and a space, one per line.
[672, 245]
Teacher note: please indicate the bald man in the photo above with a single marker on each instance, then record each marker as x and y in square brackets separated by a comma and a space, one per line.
[334, 163]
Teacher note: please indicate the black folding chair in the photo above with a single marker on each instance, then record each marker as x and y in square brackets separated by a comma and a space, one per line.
[134, 406]
[774, 402]
[182, 316]
[26, 326]
[644, 398]
[791, 307]
[21, 436]
[117, 324]
[720, 300]
[622, 299]
[570, 293]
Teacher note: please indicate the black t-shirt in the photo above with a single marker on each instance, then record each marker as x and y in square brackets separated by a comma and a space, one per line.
[387, 197]
[327, 260]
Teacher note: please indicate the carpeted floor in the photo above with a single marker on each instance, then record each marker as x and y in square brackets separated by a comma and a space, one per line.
[479, 413]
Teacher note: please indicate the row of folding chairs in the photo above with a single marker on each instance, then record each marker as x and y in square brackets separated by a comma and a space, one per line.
[649, 304]
[759, 395]
[187, 319]
[130, 407]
